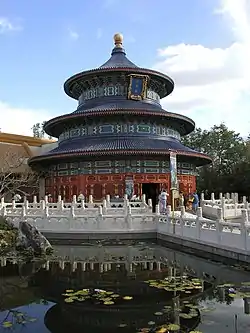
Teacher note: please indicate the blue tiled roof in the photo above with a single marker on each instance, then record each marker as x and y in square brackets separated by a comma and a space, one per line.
[121, 143]
[118, 59]
[107, 103]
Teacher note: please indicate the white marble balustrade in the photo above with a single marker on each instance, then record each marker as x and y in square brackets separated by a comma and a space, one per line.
[229, 203]
[199, 229]
[62, 209]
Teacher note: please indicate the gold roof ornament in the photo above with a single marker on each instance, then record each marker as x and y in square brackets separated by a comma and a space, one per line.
[118, 39]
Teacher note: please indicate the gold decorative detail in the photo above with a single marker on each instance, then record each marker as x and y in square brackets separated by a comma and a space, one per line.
[142, 90]
[118, 39]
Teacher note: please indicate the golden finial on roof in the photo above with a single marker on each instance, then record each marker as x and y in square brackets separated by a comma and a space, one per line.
[118, 39]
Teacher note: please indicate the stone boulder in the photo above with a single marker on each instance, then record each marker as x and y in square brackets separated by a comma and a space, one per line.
[29, 238]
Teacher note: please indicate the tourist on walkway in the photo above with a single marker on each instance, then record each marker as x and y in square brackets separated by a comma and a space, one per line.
[163, 198]
[195, 203]
[181, 200]
[80, 197]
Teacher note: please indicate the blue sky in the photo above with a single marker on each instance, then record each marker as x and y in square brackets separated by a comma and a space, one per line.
[43, 43]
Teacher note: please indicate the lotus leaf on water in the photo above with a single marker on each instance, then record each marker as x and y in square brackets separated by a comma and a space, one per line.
[173, 327]
[158, 313]
[127, 298]
[7, 324]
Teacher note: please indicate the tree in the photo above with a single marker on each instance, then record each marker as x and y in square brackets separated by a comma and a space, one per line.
[228, 151]
[38, 130]
[16, 177]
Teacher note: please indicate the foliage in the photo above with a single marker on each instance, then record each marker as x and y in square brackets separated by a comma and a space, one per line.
[230, 170]
[15, 175]
[8, 235]
[38, 130]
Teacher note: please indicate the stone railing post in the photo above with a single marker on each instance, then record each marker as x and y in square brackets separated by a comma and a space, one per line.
[74, 200]
[23, 213]
[236, 197]
[26, 204]
[220, 196]
[59, 198]
[4, 211]
[61, 205]
[108, 200]
[2, 202]
[223, 207]
[13, 204]
[198, 225]
[46, 211]
[244, 201]
[168, 211]
[227, 196]
[243, 228]
[157, 210]
[43, 205]
[129, 217]
[82, 204]
[212, 197]
[72, 211]
[150, 206]
[183, 211]
[46, 199]
[104, 204]
[125, 197]
[35, 199]
[219, 220]
[143, 199]
[199, 212]
[91, 199]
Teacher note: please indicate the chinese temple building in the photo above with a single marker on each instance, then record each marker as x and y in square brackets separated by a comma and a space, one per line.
[119, 140]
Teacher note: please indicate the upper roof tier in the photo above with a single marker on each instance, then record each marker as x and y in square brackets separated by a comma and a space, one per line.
[118, 63]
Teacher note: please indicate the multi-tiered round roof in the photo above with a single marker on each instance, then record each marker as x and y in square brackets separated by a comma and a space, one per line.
[103, 121]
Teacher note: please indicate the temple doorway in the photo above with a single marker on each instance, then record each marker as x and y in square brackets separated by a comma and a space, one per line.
[151, 191]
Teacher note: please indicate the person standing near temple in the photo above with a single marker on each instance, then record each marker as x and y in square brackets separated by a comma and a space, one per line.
[80, 197]
[195, 203]
[163, 198]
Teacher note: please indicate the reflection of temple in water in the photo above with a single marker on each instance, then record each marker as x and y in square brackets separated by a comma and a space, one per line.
[122, 270]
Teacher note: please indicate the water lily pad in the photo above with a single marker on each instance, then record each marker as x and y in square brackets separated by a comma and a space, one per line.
[162, 330]
[151, 323]
[158, 313]
[108, 303]
[173, 327]
[69, 300]
[69, 291]
[127, 298]
[122, 325]
[7, 324]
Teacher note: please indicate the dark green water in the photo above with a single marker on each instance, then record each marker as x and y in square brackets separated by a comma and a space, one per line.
[123, 288]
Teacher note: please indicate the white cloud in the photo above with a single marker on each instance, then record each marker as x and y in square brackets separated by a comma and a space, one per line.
[213, 84]
[6, 25]
[73, 35]
[20, 120]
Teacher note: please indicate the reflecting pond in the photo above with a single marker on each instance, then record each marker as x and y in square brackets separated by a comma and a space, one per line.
[132, 287]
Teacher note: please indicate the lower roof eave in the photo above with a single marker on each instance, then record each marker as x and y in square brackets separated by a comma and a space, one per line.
[199, 158]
